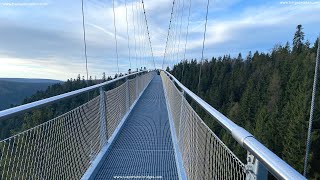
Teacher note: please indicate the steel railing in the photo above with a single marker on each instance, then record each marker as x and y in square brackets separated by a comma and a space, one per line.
[37, 104]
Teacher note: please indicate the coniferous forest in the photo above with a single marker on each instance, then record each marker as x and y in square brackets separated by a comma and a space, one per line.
[268, 94]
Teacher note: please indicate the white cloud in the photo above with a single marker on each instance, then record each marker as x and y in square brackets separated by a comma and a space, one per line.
[255, 28]
[51, 37]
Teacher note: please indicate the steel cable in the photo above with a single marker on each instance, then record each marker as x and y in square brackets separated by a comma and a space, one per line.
[115, 35]
[165, 51]
[128, 33]
[185, 45]
[314, 92]
[203, 42]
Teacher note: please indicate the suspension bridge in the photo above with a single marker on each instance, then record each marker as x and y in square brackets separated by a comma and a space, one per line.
[144, 128]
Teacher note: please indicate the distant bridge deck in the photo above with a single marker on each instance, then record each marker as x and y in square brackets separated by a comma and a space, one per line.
[144, 146]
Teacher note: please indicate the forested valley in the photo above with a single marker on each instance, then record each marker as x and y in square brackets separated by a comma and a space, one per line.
[33, 118]
[268, 94]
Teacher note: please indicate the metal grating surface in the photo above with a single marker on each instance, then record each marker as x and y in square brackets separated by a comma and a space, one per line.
[144, 146]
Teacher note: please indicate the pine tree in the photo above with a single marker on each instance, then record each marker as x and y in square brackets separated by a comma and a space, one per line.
[295, 117]
[298, 39]
[104, 77]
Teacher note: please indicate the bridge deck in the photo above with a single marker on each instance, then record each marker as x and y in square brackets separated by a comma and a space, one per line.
[144, 146]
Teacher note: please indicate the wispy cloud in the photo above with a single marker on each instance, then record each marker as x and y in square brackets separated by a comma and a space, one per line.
[47, 41]
[256, 27]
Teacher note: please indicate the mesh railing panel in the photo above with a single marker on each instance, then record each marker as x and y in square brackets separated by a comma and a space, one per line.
[176, 98]
[115, 107]
[50, 150]
[64, 147]
[132, 91]
[204, 155]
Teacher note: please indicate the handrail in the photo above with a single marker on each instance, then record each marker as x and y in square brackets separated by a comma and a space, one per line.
[275, 165]
[4, 114]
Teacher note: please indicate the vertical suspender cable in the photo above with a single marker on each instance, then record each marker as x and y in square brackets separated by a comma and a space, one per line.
[115, 34]
[85, 44]
[145, 16]
[128, 33]
[180, 30]
[185, 45]
[204, 39]
[144, 64]
[86, 56]
[174, 42]
[146, 38]
[314, 92]
[143, 38]
[134, 35]
[176, 39]
[139, 33]
[116, 41]
[145, 35]
[174, 25]
[165, 50]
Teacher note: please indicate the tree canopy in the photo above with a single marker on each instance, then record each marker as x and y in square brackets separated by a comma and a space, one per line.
[268, 94]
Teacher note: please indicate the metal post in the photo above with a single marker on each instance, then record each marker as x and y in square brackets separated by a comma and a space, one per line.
[127, 96]
[254, 169]
[103, 123]
[181, 107]
[137, 85]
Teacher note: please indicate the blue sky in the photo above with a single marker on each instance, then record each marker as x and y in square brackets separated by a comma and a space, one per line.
[45, 40]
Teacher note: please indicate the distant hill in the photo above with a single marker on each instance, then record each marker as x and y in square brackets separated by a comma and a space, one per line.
[25, 80]
[15, 90]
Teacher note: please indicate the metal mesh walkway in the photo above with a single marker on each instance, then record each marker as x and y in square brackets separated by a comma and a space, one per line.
[144, 146]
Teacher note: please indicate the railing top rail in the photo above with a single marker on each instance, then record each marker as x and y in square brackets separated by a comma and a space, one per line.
[37, 104]
[271, 161]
